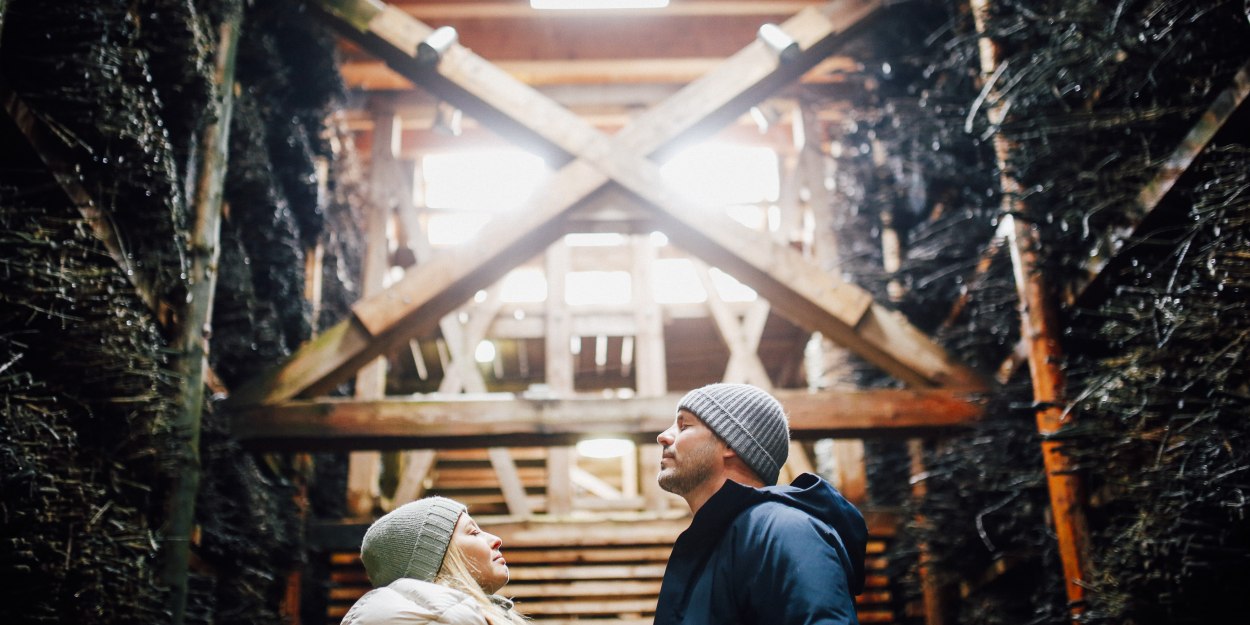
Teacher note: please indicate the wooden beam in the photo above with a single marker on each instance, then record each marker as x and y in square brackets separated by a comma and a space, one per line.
[447, 11]
[195, 318]
[373, 75]
[61, 160]
[1141, 219]
[364, 468]
[559, 481]
[651, 366]
[417, 467]
[1040, 326]
[557, 322]
[513, 31]
[458, 423]
[510, 482]
[426, 293]
[796, 287]
[742, 337]
[879, 336]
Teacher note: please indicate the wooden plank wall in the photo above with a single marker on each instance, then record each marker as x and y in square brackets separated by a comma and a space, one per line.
[565, 573]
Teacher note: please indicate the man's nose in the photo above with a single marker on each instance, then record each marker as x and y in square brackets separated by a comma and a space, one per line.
[665, 438]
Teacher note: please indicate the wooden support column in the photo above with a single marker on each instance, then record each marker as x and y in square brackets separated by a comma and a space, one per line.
[365, 467]
[936, 596]
[559, 324]
[846, 456]
[650, 368]
[196, 318]
[559, 373]
[559, 481]
[1040, 327]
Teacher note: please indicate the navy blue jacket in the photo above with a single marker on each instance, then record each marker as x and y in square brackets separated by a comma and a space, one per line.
[780, 555]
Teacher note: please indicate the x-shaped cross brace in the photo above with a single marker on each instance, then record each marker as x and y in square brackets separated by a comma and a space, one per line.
[797, 288]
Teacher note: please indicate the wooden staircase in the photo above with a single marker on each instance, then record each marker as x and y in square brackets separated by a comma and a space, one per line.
[604, 572]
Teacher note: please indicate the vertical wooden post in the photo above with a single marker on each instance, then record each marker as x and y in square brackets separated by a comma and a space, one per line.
[364, 467]
[650, 370]
[193, 333]
[1040, 328]
[558, 373]
[849, 472]
[934, 594]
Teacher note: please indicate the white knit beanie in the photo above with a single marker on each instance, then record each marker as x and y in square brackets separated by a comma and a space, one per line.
[750, 420]
[410, 541]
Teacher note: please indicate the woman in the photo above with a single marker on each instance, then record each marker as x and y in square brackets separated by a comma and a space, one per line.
[430, 564]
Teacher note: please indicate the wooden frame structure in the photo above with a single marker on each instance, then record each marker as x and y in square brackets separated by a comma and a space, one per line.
[794, 286]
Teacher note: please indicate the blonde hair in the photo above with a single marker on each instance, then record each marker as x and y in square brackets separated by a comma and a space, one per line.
[457, 573]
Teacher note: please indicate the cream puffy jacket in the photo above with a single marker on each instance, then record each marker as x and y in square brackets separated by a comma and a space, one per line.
[414, 602]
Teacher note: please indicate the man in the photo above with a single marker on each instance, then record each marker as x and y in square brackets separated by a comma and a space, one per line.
[754, 552]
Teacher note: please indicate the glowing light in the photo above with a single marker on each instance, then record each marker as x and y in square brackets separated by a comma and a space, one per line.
[585, 288]
[718, 174]
[604, 448]
[485, 352]
[526, 284]
[675, 282]
[453, 180]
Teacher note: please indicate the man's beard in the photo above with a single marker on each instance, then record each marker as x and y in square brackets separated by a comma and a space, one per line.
[695, 468]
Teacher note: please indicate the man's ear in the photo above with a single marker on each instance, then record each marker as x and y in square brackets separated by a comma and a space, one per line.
[728, 452]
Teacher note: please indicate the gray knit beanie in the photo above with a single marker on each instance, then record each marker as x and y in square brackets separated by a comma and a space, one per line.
[750, 420]
[410, 541]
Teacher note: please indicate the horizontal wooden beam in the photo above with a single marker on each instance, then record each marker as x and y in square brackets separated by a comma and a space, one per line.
[512, 31]
[344, 424]
[480, 9]
[374, 75]
[333, 536]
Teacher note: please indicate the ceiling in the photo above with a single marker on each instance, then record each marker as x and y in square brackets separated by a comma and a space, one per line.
[604, 65]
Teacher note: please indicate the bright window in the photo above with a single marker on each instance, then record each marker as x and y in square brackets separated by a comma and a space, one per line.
[719, 174]
[527, 284]
[495, 181]
[608, 288]
[675, 282]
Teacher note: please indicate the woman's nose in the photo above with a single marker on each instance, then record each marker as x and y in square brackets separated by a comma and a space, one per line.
[495, 542]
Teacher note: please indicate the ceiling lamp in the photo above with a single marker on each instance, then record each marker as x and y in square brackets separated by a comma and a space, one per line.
[598, 4]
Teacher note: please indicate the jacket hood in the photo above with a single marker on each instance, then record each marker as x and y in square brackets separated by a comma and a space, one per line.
[823, 502]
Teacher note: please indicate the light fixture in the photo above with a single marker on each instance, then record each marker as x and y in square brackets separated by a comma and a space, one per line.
[604, 448]
[782, 44]
[598, 4]
[432, 49]
[485, 352]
